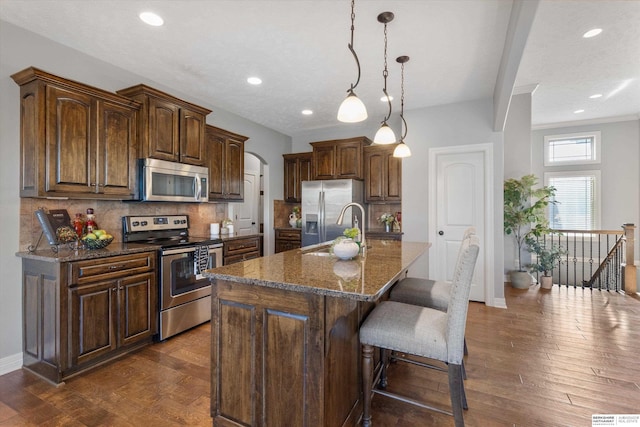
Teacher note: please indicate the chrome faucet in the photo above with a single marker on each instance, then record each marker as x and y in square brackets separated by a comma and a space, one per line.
[363, 243]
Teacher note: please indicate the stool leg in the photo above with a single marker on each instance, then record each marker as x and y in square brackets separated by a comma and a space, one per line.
[464, 371]
[367, 379]
[466, 350]
[384, 357]
[457, 393]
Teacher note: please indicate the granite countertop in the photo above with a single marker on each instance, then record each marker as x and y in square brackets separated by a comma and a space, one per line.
[65, 254]
[364, 278]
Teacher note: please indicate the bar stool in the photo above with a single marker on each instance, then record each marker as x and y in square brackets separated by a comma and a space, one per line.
[426, 292]
[423, 332]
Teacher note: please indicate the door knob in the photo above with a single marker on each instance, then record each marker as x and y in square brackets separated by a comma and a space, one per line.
[441, 233]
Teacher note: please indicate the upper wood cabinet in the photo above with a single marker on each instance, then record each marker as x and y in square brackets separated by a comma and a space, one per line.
[339, 159]
[383, 174]
[225, 160]
[169, 128]
[76, 141]
[297, 168]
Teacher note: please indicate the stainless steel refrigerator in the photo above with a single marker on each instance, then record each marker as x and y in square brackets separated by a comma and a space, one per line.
[322, 202]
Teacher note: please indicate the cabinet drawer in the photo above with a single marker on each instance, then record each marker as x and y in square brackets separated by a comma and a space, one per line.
[242, 257]
[293, 234]
[241, 246]
[93, 270]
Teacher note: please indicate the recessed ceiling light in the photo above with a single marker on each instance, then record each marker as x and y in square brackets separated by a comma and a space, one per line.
[384, 98]
[578, 111]
[592, 33]
[151, 19]
[307, 112]
[595, 95]
[254, 80]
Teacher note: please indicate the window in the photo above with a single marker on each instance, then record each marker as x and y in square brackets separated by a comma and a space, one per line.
[572, 149]
[578, 197]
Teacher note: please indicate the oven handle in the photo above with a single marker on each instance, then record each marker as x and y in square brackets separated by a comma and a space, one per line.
[188, 249]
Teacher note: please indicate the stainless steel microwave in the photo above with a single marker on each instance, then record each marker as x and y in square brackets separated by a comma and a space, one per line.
[163, 181]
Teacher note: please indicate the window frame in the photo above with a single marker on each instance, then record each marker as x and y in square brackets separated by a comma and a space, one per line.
[595, 173]
[595, 151]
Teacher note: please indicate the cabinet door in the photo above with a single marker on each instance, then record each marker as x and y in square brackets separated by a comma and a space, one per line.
[374, 165]
[349, 160]
[192, 138]
[70, 152]
[234, 165]
[163, 130]
[394, 178]
[93, 318]
[215, 154]
[324, 162]
[116, 156]
[291, 179]
[138, 309]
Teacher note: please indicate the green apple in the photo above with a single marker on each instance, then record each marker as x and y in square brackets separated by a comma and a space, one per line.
[90, 236]
[104, 236]
[99, 232]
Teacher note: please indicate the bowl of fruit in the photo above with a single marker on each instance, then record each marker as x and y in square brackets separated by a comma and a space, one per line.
[97, 239]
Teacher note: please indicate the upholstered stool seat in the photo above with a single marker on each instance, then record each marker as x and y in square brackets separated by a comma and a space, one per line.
[422, 292]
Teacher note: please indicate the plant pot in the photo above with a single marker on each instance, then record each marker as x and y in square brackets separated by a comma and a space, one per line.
[520, 279]
[546, 282]
[387, 227]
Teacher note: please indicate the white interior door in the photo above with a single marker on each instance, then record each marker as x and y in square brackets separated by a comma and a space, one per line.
[458, 201]
[246, 213]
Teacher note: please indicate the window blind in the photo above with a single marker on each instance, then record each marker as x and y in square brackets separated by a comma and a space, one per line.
[576, 208]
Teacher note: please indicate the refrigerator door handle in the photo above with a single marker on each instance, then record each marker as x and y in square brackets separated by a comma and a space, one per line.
[323, 236]
[319, 216]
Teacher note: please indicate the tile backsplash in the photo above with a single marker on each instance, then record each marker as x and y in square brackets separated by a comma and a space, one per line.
[109, 215]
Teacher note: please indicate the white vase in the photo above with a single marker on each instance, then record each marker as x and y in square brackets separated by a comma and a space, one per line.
[346, 249]
[293, 220]
[546, 282]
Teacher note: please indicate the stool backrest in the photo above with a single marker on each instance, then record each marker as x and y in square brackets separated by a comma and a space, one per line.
[459, 300]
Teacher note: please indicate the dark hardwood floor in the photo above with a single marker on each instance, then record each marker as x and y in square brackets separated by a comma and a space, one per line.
[553, 358]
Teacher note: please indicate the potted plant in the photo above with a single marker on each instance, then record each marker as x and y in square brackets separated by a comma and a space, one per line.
[547, 256]
[524, 218]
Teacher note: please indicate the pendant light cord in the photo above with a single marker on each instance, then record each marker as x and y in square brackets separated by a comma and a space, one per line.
[402, 102]
[353, 18]
[385, 73]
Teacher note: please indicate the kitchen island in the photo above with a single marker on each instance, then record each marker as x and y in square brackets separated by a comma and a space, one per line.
[285, 348]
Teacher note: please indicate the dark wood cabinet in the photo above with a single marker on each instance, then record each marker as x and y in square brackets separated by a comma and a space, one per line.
[297, 168]
[382, 174]
[225, 159]
[339, 159]
[287, 239]
[76, 141]
[80, 314]
[169, 128]
[284, 358]
[242, 249]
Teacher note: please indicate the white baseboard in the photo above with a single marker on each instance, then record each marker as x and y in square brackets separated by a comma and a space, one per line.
[10, 363]
[499, 303]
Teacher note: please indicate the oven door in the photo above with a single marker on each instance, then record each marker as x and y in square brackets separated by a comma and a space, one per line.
[181, 280]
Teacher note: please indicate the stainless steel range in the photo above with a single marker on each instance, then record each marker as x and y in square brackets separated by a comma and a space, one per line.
[185, 295]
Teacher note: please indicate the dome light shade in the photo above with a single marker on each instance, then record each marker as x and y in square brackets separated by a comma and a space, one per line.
[402, 150]
[352, 109]
[385, 135]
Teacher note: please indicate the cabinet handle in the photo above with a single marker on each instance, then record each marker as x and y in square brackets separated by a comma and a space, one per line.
[114, 289]
[115, 267]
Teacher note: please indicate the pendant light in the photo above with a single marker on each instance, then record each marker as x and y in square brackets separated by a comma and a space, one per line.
[352, 109]
[402, 149]
[385, 134]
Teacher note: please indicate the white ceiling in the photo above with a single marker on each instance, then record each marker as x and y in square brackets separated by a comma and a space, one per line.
[207, 49]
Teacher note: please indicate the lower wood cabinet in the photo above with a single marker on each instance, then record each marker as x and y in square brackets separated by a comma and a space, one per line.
[79, 314]
[284, 358]
[287, 239]
[242, 249]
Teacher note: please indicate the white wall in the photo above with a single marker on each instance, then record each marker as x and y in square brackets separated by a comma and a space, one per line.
[517, 160]
[20, 49]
